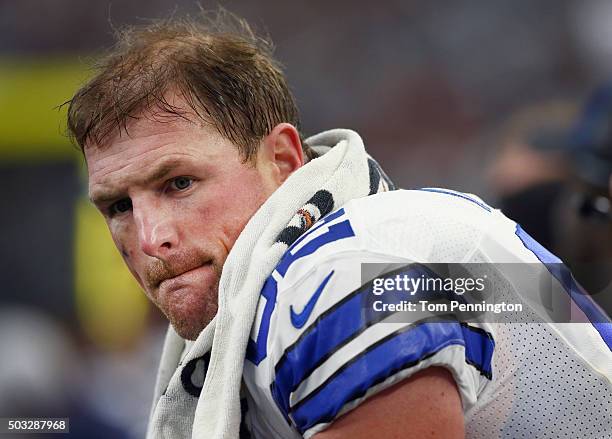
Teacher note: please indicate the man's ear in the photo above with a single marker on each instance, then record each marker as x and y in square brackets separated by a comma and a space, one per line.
[282, 150]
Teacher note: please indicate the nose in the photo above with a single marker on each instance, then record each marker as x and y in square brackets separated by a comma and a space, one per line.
[157, 234]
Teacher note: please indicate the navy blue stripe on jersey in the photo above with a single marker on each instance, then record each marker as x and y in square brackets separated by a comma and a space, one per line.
[340, 324]
[479, 347]
[318, 342]
[336, 232]
[398, 351]
[334, 328]
[256, 350]
[456, 194]
[559, 271]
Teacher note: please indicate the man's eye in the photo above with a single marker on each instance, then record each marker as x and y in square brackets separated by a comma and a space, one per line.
[182, 183]
[120, 206]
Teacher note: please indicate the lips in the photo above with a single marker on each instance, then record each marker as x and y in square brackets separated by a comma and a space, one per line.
[182, 275]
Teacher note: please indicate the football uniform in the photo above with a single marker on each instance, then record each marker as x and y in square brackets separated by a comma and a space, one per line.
[315, 354]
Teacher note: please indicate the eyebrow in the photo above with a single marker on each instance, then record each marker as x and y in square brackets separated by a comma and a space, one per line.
[157, 173]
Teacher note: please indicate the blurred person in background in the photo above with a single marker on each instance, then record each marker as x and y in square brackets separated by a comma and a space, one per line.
[234, 228]
[528, 183]
[551, 176]
[582, 214]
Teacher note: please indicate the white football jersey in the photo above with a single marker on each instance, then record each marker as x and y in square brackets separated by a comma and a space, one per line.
[314, 353]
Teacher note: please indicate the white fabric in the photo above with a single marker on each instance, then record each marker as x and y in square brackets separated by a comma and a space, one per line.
[547, 381]
[344, 172]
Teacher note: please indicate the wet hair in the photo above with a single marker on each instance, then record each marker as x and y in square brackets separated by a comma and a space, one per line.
[221, 69]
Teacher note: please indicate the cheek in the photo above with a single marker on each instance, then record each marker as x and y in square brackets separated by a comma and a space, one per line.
[234, 204]
[248, 197]
[125, 243]
[120, 237]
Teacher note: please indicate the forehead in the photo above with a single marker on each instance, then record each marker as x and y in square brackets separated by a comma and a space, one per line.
[137, 138]
[148, 137]
[150, 131]
[150, 150]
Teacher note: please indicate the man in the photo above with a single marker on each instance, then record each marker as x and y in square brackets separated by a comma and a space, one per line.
[251, 242]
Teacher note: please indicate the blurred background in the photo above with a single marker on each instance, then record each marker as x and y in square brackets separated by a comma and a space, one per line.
[507, 100]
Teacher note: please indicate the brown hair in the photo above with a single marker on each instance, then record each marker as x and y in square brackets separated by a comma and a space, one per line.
[224, 72]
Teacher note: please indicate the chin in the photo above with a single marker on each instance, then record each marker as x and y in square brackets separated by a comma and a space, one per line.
[186, 332]
[190, 327]
[189, 301]
[190, 317]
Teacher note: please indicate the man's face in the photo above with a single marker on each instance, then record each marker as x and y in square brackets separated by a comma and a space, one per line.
[175, 196]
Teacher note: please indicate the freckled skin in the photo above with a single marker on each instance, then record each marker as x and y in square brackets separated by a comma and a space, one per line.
[174, 239]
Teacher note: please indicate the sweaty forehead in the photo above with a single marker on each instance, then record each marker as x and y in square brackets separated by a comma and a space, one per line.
[145, 136]
[149, 122]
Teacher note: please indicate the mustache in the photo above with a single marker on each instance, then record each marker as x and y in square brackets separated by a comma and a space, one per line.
[159, 270]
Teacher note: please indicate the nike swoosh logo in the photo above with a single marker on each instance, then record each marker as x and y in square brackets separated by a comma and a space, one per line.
[299, 319]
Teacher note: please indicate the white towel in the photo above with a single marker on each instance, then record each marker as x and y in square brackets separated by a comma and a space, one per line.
[183, 408]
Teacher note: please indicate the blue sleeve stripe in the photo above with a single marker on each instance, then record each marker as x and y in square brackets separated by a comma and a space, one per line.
[456, 194]
[479, 347]
[559, 271]
[316, 344]
[398, 351]
[336, 327]
[335, 232]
